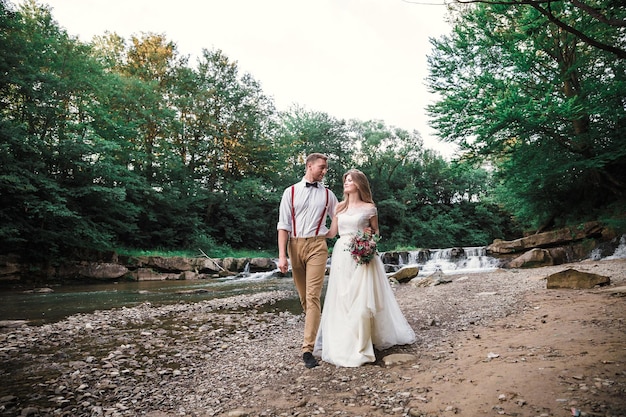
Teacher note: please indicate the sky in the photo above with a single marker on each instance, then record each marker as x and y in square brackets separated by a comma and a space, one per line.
[352, 59]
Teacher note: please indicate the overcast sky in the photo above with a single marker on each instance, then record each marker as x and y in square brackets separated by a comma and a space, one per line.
[363, 59]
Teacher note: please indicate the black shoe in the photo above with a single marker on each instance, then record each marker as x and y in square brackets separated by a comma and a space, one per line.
[309, 360]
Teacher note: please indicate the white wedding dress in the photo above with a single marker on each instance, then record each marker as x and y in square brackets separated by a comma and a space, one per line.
[360, 310]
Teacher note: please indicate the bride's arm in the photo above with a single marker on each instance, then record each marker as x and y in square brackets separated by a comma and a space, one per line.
[374, 225]
[372, 229]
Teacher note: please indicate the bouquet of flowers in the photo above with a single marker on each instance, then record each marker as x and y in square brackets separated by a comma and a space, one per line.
[362, 247]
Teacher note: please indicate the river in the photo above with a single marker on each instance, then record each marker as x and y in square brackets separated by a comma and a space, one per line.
[62, 301]
[65, 300]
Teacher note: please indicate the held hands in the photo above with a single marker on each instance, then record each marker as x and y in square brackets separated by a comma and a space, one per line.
[369, 232]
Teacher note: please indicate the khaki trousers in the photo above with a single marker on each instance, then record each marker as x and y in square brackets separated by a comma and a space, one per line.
[308, 258]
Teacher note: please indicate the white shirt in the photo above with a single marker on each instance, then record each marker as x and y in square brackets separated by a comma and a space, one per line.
[309, 204]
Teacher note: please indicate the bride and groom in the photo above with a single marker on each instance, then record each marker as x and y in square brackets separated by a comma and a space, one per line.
[360, 311]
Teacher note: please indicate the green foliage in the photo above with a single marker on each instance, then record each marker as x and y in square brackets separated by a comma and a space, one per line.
[546, 109]
[423, 200]
[301, 132]
[121, 144]
[218, 252]
[57, 187]
[245, 215]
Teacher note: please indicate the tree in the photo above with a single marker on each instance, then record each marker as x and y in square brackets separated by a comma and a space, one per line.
[302, 132]
[546, 109]
[422, 199]
[606, 17]
[121, 143]
[60, 189]
[228, 122]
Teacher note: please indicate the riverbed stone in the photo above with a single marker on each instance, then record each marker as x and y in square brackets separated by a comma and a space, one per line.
[405, 274]
[574, 279]
[212, 357]
[547, 239]
[533, 258]
[398, 358]
[102, 270]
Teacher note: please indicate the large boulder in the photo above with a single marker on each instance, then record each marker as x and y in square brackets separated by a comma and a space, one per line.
[393, 257]
[542, 257]
[102, 270]
[571, 278]
[148, 274]
[547, 239]
[174, 263]
[262, 265]
[10, 268]
[235, 264]
[436, 278]
[532, 258]
[405, 274]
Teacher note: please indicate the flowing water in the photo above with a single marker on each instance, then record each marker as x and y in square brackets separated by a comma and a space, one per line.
[472, 260]
[66, 300]
[40, 308]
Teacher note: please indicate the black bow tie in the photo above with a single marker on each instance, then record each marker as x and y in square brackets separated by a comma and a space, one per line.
[311, 184]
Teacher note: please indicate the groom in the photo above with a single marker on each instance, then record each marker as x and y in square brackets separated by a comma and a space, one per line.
[301, 228]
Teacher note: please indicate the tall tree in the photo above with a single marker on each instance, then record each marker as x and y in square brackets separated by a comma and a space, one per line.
[151, 60]
[60, 189]
[227, 120]
[304, 131]
[225, 143]
[422, 199]
[545, 108]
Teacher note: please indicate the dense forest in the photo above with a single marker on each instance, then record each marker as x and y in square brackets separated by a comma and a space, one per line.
[124, 144]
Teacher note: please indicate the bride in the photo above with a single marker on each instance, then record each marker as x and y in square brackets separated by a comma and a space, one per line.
[360, 311]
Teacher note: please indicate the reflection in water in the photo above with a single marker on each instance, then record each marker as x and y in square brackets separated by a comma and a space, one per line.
[86, 298]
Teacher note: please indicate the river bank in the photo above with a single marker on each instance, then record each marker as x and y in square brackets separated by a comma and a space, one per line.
[495, 343]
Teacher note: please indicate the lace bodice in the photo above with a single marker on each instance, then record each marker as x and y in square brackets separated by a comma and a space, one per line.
[355, 219]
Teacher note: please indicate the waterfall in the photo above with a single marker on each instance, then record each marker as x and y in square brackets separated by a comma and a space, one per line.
[601, 252]
[453, 260]
[620, 251]
[246, 270]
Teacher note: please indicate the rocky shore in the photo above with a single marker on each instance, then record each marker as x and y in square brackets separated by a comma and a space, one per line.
[496, 343]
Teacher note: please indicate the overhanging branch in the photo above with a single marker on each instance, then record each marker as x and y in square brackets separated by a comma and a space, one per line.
[539, 6]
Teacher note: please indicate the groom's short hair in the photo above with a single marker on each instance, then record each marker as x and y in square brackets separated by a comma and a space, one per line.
[314, 157]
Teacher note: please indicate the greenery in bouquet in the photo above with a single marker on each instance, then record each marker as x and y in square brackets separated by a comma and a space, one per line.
[362, 247]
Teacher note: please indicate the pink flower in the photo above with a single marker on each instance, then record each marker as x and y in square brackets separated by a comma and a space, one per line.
[362, 247]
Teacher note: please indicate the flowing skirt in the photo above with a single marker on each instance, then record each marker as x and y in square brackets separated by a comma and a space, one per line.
[360, 312]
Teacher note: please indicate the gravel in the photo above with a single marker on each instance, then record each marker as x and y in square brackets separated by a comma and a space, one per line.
[233, 357]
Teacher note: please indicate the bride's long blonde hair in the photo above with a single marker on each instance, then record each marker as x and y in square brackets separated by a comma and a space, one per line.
[362, 186]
